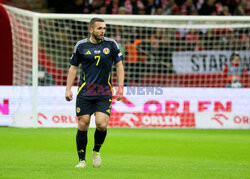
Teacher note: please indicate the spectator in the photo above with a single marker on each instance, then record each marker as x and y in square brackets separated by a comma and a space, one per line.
[199, 45]
[145, 47]
[227, 39]
[192, 39]
[169, 7]
[113, 6]
[141, 11]
[117, 34]
[132, 6]
[232, 5]
[212, 39]
[235, 71]
[194, 13]
[187, 8]
[161, 49]
[148, 4]
[219, 7]
[95, 6]
[225, 11]
[241, 9]
[133, 60]
[176, 10]
[244, 42]
[159, 11]
[155, 5]
[247, 8]
[103, 10]
[122, 10]
[208, 8]
[86, 10]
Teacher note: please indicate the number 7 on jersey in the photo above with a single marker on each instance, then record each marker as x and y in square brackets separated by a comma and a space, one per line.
[98, 59]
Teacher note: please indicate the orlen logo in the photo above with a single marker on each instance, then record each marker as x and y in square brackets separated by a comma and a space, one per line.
[222, 119]
[44, 119]
[4, 108]
[129, 118]
[40, 118]
[219, 118]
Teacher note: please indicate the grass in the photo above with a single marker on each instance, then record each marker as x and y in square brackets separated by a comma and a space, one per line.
[127, 153]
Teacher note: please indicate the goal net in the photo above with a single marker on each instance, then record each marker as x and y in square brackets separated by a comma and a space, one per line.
[159, 51]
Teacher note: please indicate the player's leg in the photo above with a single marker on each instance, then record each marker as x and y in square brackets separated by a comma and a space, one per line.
[101, 120]
[84, 109]
[102, 114]
[81, 136]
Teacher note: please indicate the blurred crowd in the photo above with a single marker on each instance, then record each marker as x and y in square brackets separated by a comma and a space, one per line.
[147, 50]
[151, 7]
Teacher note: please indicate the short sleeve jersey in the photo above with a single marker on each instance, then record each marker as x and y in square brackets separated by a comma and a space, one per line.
[96, 61]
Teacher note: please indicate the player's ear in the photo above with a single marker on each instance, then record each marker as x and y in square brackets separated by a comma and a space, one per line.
[90, 30]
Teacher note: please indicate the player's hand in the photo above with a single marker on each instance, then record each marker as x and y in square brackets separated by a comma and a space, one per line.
[119, 92]
[68, 95]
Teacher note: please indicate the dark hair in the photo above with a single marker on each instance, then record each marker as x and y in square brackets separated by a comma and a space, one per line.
[93, 20]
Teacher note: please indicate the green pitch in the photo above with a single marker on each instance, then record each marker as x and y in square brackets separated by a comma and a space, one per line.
[127, 153]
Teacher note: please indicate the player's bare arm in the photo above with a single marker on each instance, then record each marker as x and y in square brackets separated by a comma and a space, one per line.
[70, 80]
[120, 76]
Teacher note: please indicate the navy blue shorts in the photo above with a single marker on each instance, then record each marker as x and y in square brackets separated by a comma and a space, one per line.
[92, 104]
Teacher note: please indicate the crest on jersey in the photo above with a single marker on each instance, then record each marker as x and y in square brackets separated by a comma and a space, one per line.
[78, 109]
[106, 51]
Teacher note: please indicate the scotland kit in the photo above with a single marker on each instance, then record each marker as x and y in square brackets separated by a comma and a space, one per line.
[94, 89]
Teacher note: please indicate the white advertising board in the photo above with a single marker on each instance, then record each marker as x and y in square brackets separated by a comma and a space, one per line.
[151, 106]
[205, 61]
[222, 120]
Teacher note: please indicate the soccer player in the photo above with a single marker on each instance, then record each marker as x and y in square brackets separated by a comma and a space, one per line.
[96, 55]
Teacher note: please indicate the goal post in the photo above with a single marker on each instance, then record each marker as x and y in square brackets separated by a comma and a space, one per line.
[159, 52]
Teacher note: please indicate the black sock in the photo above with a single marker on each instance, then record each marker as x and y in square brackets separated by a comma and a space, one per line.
[81, 143]
[99, 139]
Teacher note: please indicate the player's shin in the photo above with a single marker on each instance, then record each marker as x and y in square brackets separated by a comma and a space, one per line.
[99, 139]
[81, 143]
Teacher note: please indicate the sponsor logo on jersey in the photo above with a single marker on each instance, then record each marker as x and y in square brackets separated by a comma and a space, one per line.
[106, 51]
[88, 53]
[119, 54]
[78, 109]
[97, 51]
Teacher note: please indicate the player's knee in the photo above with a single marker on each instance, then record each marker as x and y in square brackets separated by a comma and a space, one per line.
[101, 126]
[83, 123]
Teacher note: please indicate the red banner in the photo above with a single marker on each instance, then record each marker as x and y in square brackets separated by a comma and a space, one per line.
[161, 120]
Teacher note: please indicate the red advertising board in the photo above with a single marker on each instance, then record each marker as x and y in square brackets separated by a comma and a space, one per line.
[151, 120]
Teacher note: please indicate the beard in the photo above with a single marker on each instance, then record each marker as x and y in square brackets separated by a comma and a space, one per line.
[96, 37]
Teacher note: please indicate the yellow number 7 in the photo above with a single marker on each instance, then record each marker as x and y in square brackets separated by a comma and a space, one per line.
[98, 59]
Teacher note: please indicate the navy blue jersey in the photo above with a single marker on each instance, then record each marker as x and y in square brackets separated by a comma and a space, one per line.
[96, 61]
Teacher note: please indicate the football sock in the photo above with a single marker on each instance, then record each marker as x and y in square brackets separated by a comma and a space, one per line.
[99, 139]
[81, 143]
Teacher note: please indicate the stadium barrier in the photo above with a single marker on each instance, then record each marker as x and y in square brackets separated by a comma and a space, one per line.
[141, 107]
